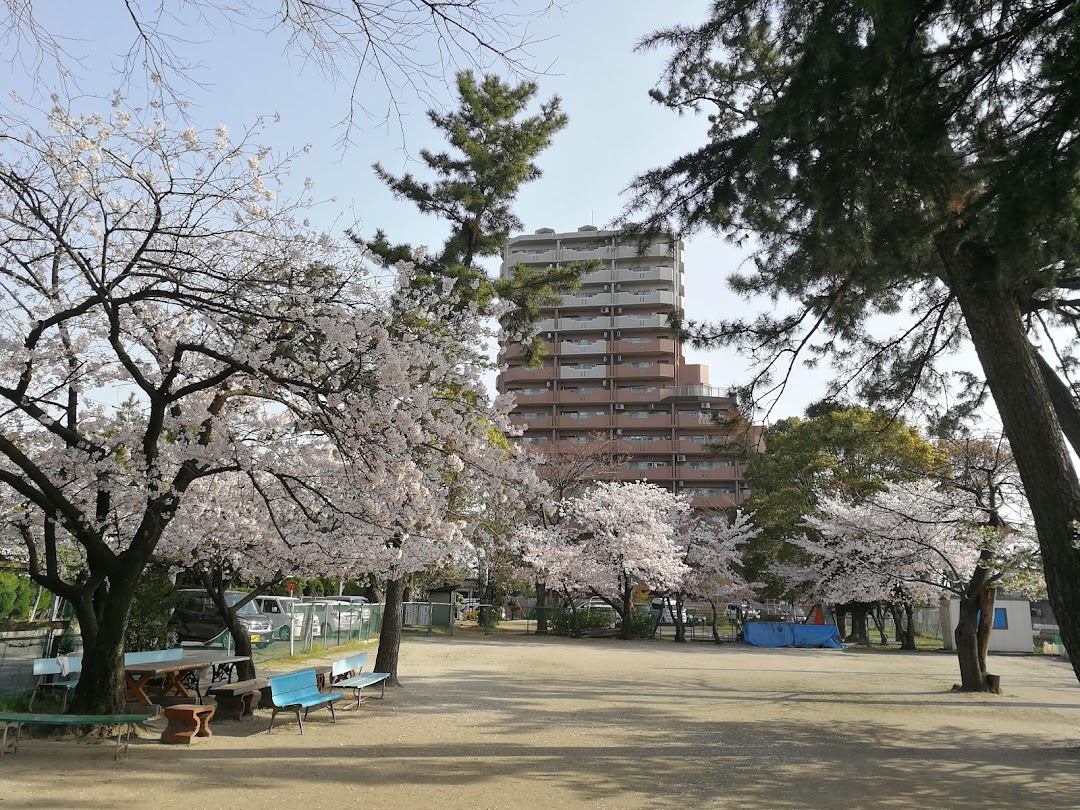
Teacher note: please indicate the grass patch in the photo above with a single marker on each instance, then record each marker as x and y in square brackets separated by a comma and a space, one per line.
[16, 703]
[324, 652]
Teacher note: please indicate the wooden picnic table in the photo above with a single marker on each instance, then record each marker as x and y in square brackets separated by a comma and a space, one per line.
[138, 676]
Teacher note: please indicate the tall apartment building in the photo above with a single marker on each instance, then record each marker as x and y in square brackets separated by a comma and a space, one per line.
[613, 370]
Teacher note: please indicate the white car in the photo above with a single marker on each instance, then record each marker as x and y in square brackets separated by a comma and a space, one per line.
[286, 611]
[342, 614]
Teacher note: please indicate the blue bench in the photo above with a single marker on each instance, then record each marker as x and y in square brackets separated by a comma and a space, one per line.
[346, 673]
[299, 690]
[123, 722]
[56, 674]
[132, 659]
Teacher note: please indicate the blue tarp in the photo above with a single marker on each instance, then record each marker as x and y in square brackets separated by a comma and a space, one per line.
[783, 634]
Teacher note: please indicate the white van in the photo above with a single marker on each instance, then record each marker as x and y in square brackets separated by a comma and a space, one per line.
[283, 611]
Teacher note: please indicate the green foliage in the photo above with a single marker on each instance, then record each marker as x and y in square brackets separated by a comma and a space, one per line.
[563, 622]
[642, 624]
[16, 596]
[494, 146]
[843, 451]
[151, 608]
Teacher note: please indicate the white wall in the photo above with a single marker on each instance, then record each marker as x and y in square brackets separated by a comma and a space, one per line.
[1017, 637]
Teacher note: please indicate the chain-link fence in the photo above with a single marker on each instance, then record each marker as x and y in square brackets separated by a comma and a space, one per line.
[19, 648]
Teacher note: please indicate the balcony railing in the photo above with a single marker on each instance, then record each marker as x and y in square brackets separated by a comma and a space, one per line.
[566, 422]
[652, 274]
[720, 475]
[649, 347]
[574, 373]
[645, 299]
[657, 371]
[586, 299]
[629, 421]
[516, 374]
[592, 347]
[599, 322]
[640, 322]
[569, 397]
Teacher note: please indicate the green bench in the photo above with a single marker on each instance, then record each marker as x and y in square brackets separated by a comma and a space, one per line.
[345, 673]
[124, 723]
[299, 690]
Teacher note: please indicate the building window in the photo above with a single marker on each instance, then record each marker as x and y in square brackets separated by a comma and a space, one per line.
[1001, 619]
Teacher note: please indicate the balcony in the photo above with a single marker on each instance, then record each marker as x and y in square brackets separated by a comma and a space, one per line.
[533, 256]
[598, 322]
[586, 299]
[522, 398]
[657, 371]
[652, 447]
[571, 254]
[532, 424]
[575, 373]
[546, 325]
[566, 422]
[656, 249]
[652, 274]
[694, 420]
[653, 299]
[723, 475]
[661, 472]
[658, 346]
[519, 374]
[571, 397]
[641, 322]
[712, 501]
[599, 277]
[624, 420]
[592, 347]
[622, 395]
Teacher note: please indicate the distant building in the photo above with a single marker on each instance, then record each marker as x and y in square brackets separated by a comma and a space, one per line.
[613, 370]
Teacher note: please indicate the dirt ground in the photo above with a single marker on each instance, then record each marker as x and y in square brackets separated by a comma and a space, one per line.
[520, 722]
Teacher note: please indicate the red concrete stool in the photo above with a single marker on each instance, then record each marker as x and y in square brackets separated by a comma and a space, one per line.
[187, 720]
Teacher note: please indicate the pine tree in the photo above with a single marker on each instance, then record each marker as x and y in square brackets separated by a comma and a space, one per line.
[494, 146]
[910, 157]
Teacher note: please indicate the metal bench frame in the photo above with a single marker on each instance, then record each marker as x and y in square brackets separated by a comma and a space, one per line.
[299, 690]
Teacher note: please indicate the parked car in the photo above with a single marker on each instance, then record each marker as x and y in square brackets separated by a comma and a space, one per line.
[593, 603]
[341, 614]
[284, 613]
[195, 618]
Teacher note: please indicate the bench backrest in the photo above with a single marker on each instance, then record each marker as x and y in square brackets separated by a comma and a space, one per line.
[282, 686]
[354, 663]
[51, 666]
[152, 656]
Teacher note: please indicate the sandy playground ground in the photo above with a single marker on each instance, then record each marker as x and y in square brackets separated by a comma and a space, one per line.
[523, 722]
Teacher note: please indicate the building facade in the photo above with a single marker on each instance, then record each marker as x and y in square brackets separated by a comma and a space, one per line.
[613, 371]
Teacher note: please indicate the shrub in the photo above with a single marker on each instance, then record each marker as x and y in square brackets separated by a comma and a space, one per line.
[16, 596]
[642, 624]
[561, 621]
[148, 622]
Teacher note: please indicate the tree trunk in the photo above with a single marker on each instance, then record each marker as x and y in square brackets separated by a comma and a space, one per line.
[627, 613]
[715, 620]
[986, 623]
[840, 615]
[973, 677]
[907, 642]
[676, 617]
[386, 660]
[541, 609]
[996, 326]
[860, 633]
[879, 622]
[102, 622]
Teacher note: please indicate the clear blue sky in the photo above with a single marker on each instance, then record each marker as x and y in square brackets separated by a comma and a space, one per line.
[586, 57]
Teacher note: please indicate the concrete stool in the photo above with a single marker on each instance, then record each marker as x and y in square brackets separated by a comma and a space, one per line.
[187, 720]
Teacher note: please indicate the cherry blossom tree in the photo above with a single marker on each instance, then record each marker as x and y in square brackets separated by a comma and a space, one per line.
[168, 319]
[609, 539]
[712, 547]
[915, 542]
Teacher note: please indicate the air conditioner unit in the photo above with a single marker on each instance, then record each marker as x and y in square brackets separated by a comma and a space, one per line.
[606, 334]
[605, 309]
[618, 431]
[548, 383]
[620, 358]
[680, 458]
[706, 404]
[619, 311]
[619, 406]
[618, 333]
[550, 335]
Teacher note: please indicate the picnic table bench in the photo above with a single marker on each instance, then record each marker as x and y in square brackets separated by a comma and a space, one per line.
[124, 723]
[241, 697]
[345, 673]
[60, 674]
[299, 690]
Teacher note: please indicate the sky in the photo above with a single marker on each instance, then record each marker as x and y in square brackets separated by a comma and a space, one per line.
[583, 51]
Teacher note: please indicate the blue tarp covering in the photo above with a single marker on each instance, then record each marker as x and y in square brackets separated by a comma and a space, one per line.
[783, 634]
